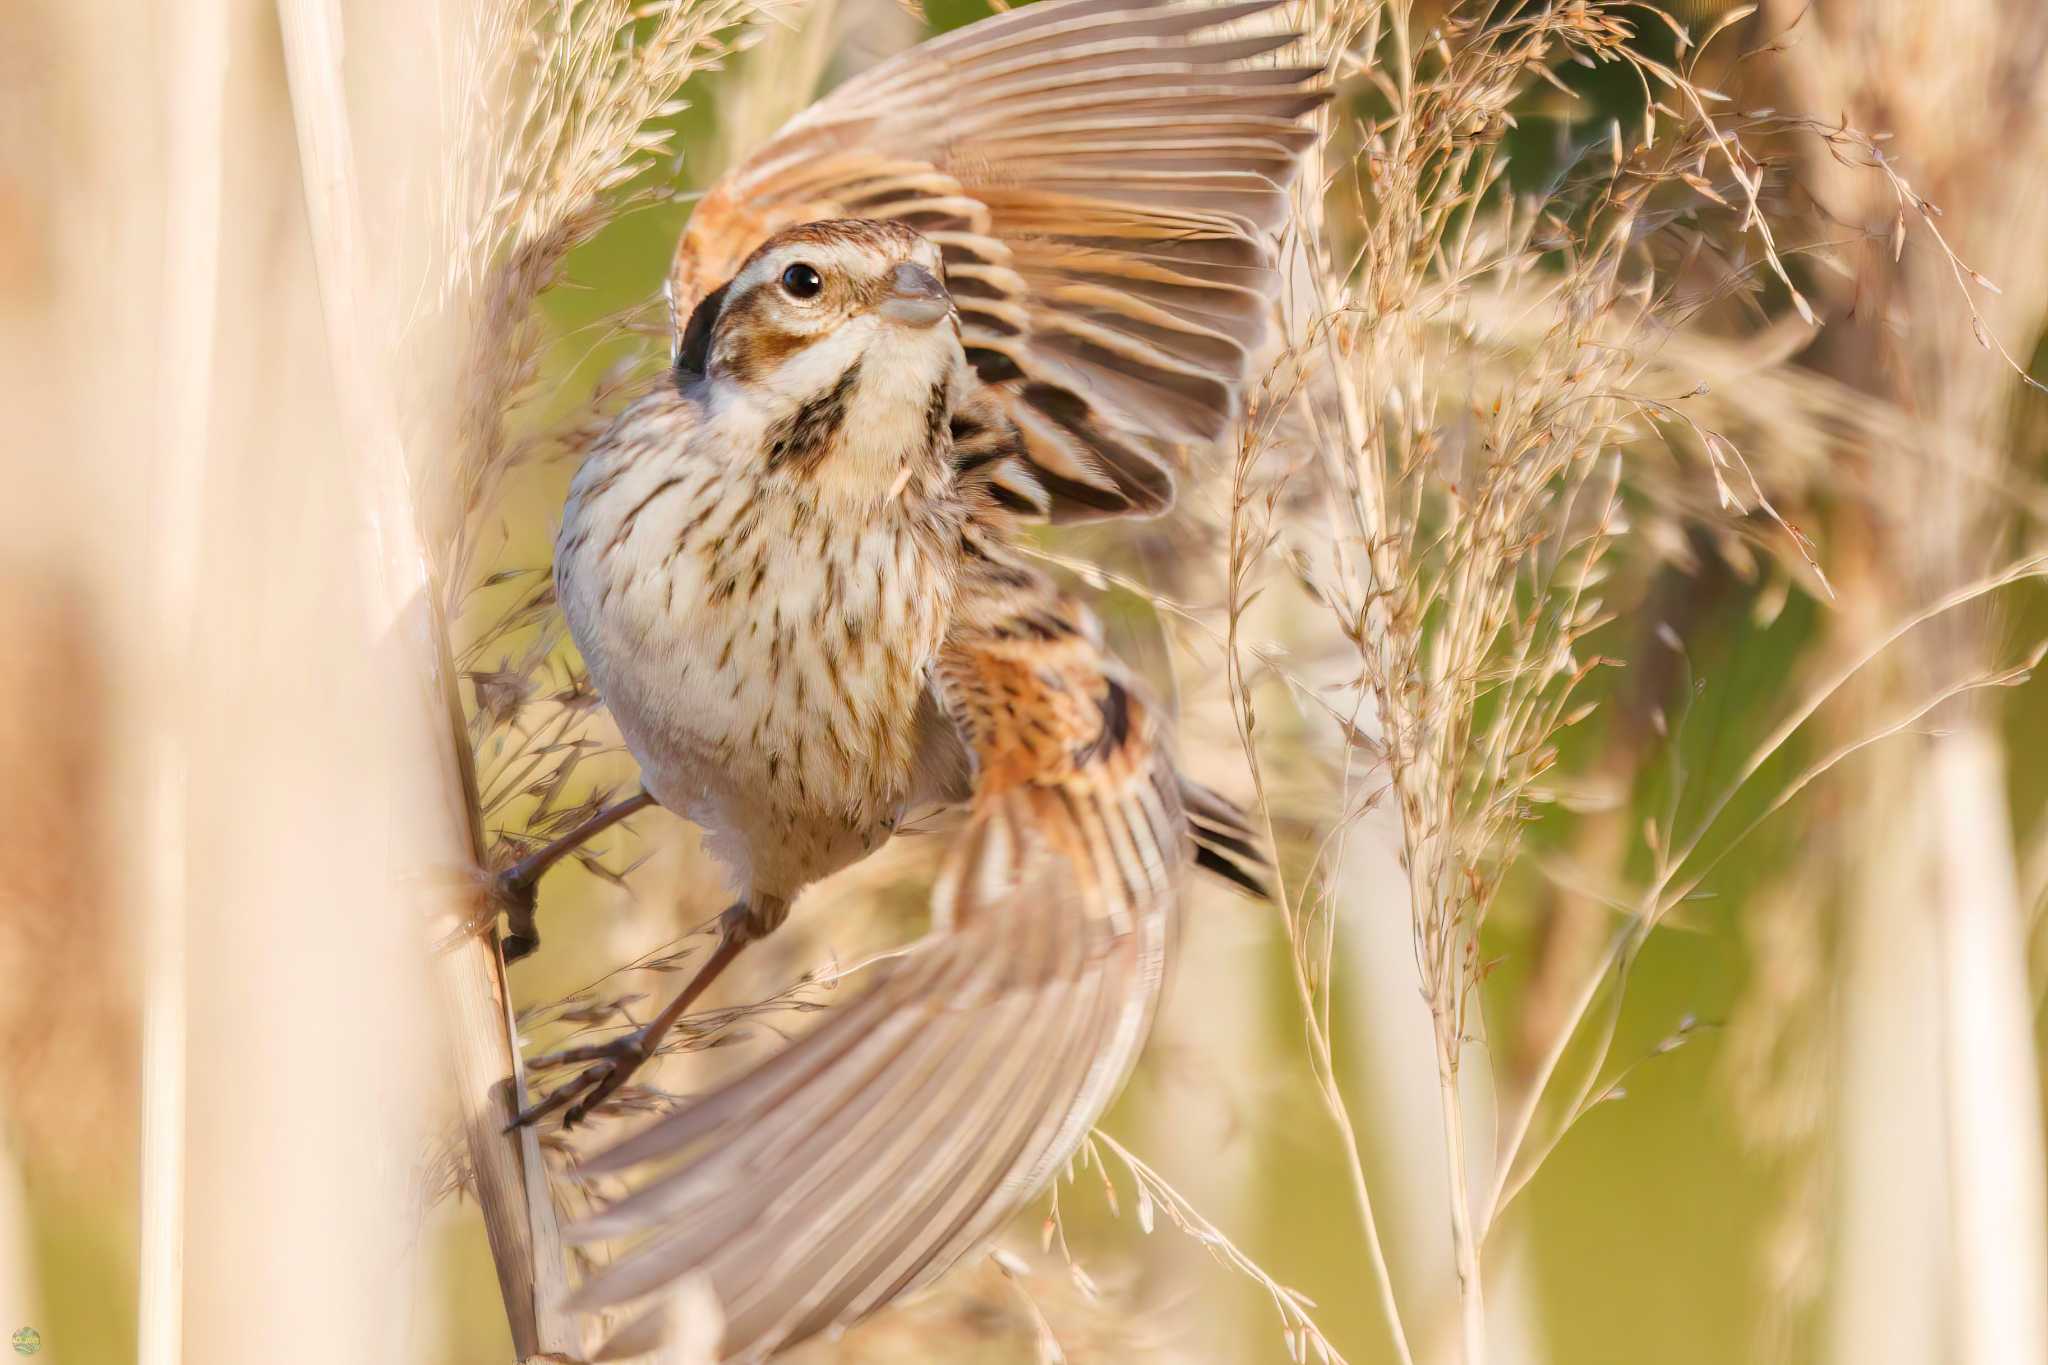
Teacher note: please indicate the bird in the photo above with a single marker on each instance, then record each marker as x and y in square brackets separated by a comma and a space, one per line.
[1014, 274]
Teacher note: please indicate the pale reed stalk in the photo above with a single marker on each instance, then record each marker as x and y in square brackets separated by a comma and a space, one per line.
[1889, 1216]
[508, 1171]
[301, 818]
[1949, 944]
[305, 1116]
[194, 67]
[1248, 536]
[1994, 1129]
[1472, 486]
[1397, 1082]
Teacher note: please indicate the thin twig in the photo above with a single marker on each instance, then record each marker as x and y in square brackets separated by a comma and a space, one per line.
[1322, 1060]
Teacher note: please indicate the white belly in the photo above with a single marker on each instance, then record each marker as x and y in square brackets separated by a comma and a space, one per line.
[764, 658]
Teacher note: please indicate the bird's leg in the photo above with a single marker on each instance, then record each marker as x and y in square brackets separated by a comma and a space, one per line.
[514, 889]
[614, 1062]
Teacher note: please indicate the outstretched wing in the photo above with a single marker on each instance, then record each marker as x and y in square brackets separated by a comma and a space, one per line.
[868, 1156]
[1104, 178]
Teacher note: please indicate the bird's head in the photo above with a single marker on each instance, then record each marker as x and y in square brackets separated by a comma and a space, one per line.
[819, 299]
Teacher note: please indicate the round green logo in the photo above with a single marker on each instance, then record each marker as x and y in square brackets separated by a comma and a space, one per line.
[28, 1341]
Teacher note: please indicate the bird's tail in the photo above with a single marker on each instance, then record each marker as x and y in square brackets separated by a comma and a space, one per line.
[1225, 842]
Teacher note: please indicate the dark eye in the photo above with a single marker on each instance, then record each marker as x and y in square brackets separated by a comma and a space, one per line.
[802, 282]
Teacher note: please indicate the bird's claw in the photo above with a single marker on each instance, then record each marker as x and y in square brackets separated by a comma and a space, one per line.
[515, 893]
[613, 1065]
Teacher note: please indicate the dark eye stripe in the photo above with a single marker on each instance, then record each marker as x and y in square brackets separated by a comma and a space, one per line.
[764, 348]
[749, 344]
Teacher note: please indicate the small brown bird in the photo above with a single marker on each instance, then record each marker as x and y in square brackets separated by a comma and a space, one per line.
[1008, 274]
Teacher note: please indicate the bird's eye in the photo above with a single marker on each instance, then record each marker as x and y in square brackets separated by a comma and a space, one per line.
[801, 281]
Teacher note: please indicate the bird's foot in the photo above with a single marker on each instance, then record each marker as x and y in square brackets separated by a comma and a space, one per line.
[515, 894]
[514, 890]
[607, 1066]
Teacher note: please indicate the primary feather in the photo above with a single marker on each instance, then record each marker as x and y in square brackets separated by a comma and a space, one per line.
[866, 1157]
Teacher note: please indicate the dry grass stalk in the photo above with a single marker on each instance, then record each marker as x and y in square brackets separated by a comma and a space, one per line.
[1466, 566]
[1302, 1338]
[1957, 493]
[524, 1240]
[194, 120]
[292, 1242]
[1461, 417]
[555, 111]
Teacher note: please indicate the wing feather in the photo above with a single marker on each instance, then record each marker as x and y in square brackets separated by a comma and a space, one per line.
[1104, 179]
[872, 1153]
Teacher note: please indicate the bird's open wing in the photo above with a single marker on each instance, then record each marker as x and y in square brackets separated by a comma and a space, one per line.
[1104, 178]
[869, 1155]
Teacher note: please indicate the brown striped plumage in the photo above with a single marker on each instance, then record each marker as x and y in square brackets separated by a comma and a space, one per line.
[1102, 178]
[790, 572]
[868, 1156]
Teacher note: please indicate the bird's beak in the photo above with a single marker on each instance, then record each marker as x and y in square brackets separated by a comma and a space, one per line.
[915, 297]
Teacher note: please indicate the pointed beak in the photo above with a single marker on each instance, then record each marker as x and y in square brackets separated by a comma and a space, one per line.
[915, 297]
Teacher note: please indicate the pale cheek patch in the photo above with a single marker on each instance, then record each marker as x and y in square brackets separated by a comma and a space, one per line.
[818, 364]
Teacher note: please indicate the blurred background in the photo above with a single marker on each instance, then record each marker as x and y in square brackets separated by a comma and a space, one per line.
[1798, 1114]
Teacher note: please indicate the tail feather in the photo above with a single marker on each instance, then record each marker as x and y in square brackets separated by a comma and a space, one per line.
[1225, 843]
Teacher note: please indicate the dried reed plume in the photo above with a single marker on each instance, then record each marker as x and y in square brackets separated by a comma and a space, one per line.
[558, 111]
[1446, 464]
